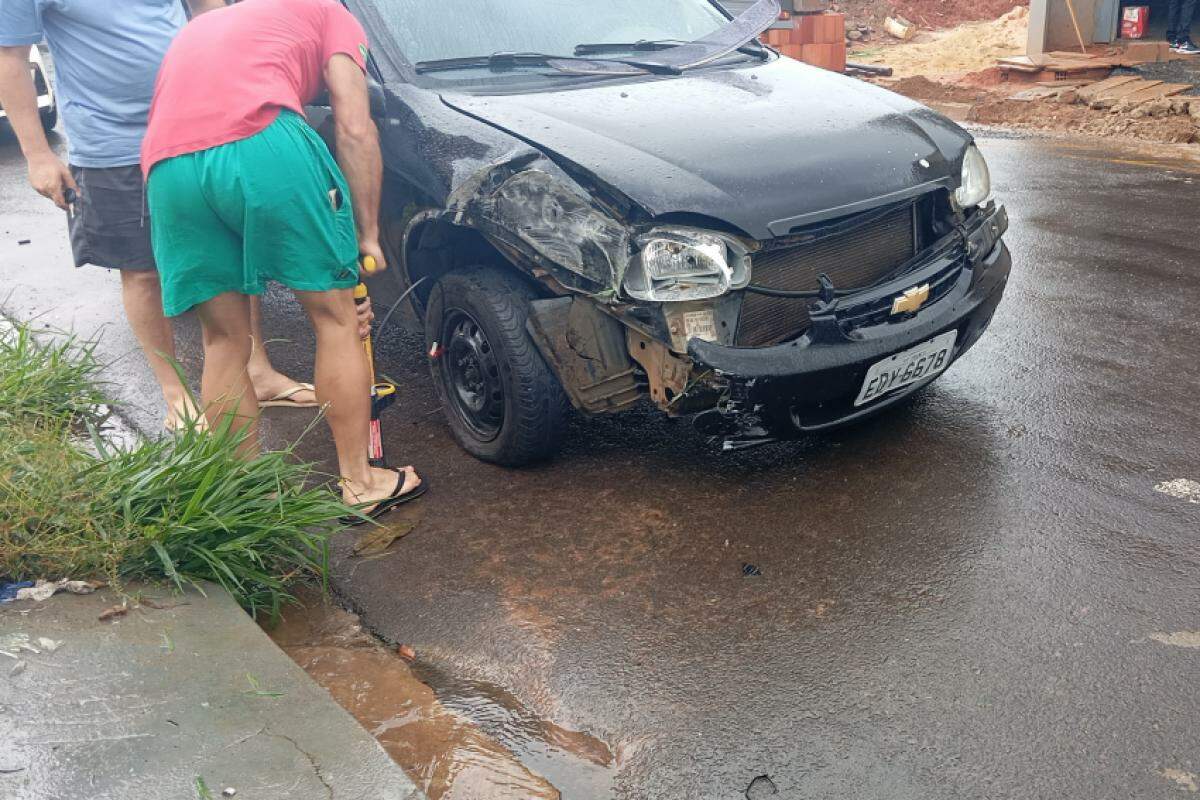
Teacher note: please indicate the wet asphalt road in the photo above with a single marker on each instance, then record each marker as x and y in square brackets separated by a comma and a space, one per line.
[957, 600]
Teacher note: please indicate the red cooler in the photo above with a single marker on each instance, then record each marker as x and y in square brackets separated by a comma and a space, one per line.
[1134, 21]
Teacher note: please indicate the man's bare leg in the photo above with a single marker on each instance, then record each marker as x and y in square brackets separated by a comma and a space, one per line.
[343, 381]
[268, 381]
[142, 297]
[225, 387]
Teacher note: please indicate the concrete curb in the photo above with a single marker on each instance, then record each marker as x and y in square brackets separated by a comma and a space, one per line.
[163, 703]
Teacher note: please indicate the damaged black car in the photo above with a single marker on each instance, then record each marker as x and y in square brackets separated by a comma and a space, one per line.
[592, 204]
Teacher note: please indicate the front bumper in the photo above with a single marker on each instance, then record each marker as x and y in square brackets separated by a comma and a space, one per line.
[811, 384]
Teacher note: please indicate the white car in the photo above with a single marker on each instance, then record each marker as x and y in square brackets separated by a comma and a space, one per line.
[47, 103]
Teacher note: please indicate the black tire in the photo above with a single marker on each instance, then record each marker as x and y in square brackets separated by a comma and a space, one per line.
[475, 321]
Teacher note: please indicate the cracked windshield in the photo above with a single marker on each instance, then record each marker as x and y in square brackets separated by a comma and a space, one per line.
[427, 31]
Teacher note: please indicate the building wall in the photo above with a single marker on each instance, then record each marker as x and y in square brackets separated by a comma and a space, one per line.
[1050, 25]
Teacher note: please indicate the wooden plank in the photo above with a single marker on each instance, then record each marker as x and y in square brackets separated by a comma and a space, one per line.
[1014, 68]
[1058, 60]
[1036, 93]
[1078, 68]
[1067, 84]
[1075, 22]
[1019, 61]
[1158, 92]
[1127, 90]
[1067, 55]
[1095, 89]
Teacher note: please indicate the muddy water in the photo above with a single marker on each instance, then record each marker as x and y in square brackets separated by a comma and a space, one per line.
[460, 741]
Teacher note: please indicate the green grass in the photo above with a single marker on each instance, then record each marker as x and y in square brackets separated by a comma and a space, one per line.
[49, 381]
[186, 508]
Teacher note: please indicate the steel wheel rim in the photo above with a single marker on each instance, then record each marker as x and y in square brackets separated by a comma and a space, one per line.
[471, 374]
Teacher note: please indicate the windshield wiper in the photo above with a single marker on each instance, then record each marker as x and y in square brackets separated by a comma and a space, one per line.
[733, 37]
[641, 45]
[649, 45]
[504, 60]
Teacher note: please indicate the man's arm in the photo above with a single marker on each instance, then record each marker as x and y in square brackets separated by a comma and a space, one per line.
[48, 174]
[358, 154]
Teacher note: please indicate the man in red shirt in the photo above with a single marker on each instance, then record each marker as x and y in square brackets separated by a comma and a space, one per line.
[106, 55]
[242, 191]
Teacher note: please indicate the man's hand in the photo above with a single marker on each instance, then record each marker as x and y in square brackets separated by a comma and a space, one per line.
[366, 315]
[369, 248]
[51, 178]
[48, 174]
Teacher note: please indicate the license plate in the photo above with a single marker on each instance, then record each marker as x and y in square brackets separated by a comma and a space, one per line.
[904, 369]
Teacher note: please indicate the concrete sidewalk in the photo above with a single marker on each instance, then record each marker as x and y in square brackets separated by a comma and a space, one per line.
[181, 701]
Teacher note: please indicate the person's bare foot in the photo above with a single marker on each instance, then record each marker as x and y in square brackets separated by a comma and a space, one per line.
[273, 385]
[181, 411]
[382, 485]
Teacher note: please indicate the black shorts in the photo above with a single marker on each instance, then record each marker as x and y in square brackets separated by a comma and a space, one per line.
[110, 226]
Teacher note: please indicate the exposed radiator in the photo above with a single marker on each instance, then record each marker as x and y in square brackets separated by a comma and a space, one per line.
[857, 259]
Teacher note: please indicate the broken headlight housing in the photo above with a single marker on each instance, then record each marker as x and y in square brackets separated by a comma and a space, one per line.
[976, 183]
[680, 264]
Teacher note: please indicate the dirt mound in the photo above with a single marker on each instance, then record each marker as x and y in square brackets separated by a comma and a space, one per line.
[971, 47]
[1172, 120]
[866, 12]
[921, 88]
[1052, 116]
[948, 13]
[930, 14]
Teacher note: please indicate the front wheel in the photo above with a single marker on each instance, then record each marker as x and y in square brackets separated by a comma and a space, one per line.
[501, 400]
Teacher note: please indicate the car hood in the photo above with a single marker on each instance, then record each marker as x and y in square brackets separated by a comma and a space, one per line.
[766, 148]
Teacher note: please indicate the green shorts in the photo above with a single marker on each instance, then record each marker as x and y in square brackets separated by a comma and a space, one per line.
[274, 206]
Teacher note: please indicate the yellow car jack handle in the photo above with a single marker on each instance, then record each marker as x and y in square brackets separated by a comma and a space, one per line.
[383, 394]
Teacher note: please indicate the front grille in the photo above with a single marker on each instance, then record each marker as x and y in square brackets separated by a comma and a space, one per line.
[857, 259]
[864, 315]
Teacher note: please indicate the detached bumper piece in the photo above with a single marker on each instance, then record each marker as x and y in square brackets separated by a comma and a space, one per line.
[811, 384]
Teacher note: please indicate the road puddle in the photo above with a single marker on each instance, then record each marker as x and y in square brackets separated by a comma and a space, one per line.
[579, 765]
[462, 741]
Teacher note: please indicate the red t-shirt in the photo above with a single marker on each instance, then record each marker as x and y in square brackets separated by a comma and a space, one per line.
[230, 71]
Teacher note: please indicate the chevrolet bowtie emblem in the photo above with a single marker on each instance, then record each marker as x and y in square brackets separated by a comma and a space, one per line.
[911, 301]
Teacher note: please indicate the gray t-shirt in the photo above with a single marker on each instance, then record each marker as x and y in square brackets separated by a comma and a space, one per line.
[106, 57]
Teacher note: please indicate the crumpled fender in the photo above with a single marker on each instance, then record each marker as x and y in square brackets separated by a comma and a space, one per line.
[529, 205]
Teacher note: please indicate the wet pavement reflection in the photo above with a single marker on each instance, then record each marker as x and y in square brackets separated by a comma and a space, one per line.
[461, 742]
[980, 595]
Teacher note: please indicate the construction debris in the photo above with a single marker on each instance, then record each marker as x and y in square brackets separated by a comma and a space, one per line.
[44, 590]
[1130, 90]
[900, 28]
[979, 72]
[969, 48]
[1125, 106]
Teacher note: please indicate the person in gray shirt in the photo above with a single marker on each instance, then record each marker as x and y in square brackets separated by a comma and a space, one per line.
[106, 57]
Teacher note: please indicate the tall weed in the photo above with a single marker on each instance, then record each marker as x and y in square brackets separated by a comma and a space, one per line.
[47, 378]
[188, 508]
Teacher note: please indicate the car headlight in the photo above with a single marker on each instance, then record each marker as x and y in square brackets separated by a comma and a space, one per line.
[679, 264]
[976, 180]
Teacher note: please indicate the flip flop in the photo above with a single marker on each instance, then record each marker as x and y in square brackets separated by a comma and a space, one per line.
[284, 399]
[397, 498]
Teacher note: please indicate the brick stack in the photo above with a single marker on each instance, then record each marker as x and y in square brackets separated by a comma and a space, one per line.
[817, 39]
